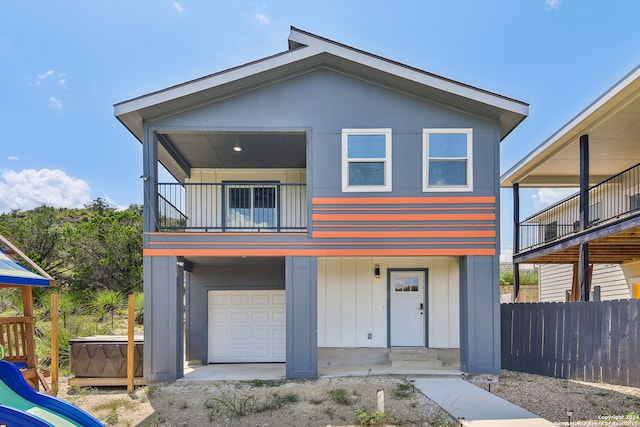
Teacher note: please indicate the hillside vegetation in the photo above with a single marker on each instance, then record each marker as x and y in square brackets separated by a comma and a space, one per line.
[95, 256]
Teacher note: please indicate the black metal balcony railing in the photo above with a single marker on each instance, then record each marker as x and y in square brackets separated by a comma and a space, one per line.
[608, 200]
[232, 207]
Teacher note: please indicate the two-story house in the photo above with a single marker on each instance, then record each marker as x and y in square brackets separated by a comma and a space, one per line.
[589, 241]
[324, 197]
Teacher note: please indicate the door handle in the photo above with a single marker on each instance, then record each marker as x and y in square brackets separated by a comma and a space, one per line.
[421, 306]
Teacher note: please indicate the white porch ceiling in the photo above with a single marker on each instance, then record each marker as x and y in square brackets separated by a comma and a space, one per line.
[613, 125]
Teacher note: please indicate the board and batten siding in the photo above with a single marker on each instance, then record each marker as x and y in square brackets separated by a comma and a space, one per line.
[556, 279]
[204, 203]
[352, 303]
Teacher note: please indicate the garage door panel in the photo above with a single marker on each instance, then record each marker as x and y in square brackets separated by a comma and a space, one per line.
[240, 299]
[247, 326]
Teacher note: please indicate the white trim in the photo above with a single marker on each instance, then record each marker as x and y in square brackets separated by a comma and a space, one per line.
[387, 161]
[425, 160]
[406, 72]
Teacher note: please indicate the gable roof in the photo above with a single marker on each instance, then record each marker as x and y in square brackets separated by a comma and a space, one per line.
[308, 51]
[612, 122]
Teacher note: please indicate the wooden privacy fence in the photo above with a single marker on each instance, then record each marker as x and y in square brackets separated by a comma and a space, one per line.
[589, 341]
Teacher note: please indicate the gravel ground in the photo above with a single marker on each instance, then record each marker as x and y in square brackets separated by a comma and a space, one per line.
[318, 403]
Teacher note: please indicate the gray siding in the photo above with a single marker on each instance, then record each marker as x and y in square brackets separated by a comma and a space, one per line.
[326, 101]
[163, 296]
[302, 317]
[479, 316]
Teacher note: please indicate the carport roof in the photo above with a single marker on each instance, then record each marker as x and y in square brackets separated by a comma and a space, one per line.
[612, 122]
[306, 52]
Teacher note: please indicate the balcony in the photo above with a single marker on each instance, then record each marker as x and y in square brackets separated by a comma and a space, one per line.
[609, 201]
[264, 207]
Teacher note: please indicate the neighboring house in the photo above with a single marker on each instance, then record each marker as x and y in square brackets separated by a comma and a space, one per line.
[607, 283]
[325, 198]
[596, 152]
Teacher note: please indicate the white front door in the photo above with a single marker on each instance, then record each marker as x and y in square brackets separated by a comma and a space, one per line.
[407, 309]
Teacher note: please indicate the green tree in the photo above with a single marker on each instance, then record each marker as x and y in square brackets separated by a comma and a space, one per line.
[38, 233]
[107, 251]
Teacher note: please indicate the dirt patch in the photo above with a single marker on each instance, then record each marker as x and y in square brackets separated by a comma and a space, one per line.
[327, 401]
[335, 401]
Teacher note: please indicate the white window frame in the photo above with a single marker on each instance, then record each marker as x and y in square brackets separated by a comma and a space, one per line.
[346, 160]
[425, 160]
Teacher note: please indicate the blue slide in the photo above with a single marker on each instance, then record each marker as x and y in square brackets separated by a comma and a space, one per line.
[22, 406]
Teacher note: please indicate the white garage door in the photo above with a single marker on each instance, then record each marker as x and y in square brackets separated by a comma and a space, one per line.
[247, 326]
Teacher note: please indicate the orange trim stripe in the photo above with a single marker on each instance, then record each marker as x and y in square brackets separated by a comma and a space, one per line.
[322, 252]
[404, 217]
[317, 244]
[405, 209]
[403, 234]
[402, 200]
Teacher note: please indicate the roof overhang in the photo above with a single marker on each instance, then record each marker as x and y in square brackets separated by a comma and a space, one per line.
[308, 52]
[613, 124]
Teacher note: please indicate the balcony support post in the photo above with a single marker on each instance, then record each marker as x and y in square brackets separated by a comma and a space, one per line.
[150, 180]
[583, 268]
[516, 240]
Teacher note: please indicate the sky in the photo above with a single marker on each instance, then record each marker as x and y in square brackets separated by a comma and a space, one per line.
[65, 63]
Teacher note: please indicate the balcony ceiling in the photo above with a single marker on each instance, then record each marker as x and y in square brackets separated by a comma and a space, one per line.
[613, 125]
[182, 151]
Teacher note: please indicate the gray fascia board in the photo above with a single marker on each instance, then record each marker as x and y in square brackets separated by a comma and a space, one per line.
[410, 73]
[214, 80]
[566, 134]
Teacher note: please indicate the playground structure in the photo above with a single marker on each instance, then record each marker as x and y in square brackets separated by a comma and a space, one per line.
[21, 405]
[17, 333]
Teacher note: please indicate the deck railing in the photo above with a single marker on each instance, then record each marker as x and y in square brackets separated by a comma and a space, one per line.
[232, 207]
[609, 200]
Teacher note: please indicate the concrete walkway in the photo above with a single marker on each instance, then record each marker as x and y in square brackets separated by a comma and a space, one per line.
[474, 406]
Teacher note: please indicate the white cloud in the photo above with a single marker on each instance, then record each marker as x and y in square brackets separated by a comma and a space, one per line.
[553, 4]
[30, 188]
[44, 76]
[55, 103]
[177, 6]
[262, 18]
[547, 196]
[60, 78]
[12, 158]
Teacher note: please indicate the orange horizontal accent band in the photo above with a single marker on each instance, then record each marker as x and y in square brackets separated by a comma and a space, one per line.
[392, 208]
[402, 200]
[320, 243]
[404, 217]
[322, 252]
[402, 234]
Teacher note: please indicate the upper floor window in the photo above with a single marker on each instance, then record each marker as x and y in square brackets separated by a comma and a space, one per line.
[366, 160]
[447, 156]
